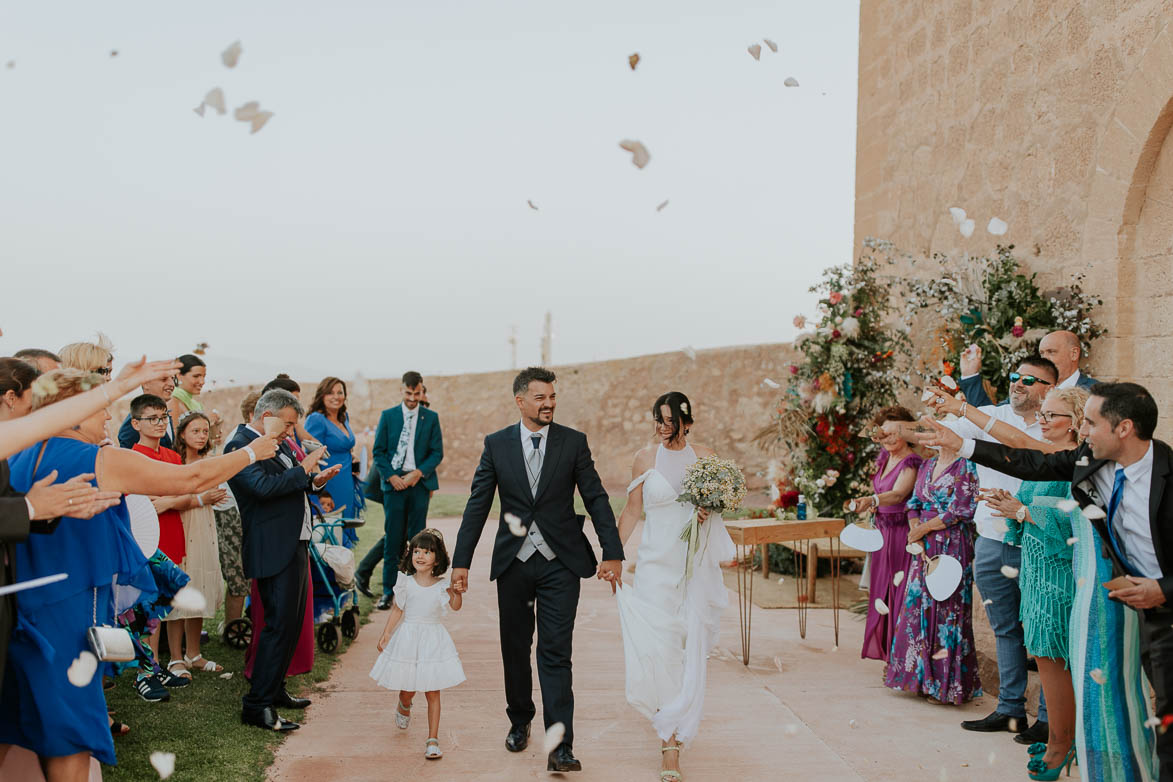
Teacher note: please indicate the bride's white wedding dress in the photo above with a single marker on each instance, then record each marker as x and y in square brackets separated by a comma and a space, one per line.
[669, 626]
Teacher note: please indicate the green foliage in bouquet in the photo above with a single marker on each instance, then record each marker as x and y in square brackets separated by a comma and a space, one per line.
[853, 363]
[993, 303]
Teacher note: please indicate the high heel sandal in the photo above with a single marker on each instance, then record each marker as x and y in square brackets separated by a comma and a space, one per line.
[1038, 769]
[668, 775]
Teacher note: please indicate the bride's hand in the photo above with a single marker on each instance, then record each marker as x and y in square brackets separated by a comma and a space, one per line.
[702, 514]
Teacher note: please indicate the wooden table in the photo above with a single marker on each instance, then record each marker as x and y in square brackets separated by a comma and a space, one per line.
[748, 533]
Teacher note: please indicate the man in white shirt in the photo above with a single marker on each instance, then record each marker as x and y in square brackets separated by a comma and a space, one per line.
[1035, 376]
[1125, 473]
[1061, 348]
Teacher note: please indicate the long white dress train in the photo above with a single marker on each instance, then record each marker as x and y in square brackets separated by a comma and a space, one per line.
[669, 626]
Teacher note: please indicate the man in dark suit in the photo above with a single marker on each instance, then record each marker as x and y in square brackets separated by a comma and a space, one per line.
[1121, 470]
[1061, 348]
[275, 527]
[408, 449]
[540, 553]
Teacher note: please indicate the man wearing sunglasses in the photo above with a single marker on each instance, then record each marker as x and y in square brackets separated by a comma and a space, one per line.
[1029, 383]
[1061, 348]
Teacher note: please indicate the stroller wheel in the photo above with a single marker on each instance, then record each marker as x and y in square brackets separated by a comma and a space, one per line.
[238, 633]
[327, 637]
[350, 622]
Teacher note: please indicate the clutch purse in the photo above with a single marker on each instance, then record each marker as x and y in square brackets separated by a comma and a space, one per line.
[109, 644]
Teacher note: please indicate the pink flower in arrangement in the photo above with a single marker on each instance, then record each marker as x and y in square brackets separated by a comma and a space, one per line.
[859, 312]
[835, 297]
[799, 321]
[794, 369]
[1018, 331]
[835, 334]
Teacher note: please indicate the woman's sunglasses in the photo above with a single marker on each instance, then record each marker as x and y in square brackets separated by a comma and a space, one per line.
[1027, 380]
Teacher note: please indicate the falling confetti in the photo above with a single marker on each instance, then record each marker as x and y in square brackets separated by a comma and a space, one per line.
[915, 549]
[940, 654]
[1080, 581]
[633, 60]
[1152, 722]
[1097, 676]
[10, 64]
[639, 153]
[515, 525]
[791, 81]
[81, 671]
[770, 383]
[773, 46]
[201, 348]
[997, 227]
[231, 55]
[881, 607]
[532, 205]
[687, 350]
[1072, 541]
[781, 579]
[755, 51]
[246, 112]
[1009, 572]
[661, 205]
[259, 120]
[967, 227]
[778, 663]
[1013, 725]
[215, 99]
[554, 736]
[1082, 461]
[958, 214]
[993, 757]
[896, 579]
[1094, 512]
[189, 599]
[113, 52]
[987, 601]
[164, 763]
[1067, 505]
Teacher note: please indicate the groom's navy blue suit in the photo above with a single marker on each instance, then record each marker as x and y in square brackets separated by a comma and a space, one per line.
[553, 584]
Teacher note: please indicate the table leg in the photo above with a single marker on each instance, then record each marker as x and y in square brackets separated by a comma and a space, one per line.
[765, 560]
[812, 571]
[836, 551]
[801, 552]
[745, 573]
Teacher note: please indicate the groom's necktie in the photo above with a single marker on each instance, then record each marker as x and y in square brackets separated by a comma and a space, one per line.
[404, 437]
[533, 537]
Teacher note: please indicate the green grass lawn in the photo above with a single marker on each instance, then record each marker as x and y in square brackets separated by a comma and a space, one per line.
[201, 722]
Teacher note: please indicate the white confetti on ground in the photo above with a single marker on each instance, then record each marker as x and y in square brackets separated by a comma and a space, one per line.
[1009, 572]
[515, 525]
[966, 227]
[992, 758]
[1097, 676]
[997, 227]
[226, 675]
[639, 153]
[81, 671]
[881, 607]
[231, 55]
[755, 51]
[771, 383]
[896, 579]
[791, 81]
[853, 724]
[781, 579]
[791, 729]
[189, 599]
[958, 214]
[778, 663]
[554, 736]
[164, 763]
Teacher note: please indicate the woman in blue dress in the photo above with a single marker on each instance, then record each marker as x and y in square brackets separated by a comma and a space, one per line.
[40, 709]
[329, 424]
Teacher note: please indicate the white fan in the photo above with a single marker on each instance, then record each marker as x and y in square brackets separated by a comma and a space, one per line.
[862, 536]
[942, 576]
[144, 523]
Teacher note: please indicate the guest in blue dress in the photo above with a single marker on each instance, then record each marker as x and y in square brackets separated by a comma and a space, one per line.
[329, 424]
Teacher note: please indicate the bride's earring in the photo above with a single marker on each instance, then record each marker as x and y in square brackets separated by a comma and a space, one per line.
[686, 430]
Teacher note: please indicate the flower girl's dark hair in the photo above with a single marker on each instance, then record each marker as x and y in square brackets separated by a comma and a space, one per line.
[681, 411]
[428, 540]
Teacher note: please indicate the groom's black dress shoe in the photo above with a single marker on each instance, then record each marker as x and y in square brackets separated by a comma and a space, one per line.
[996, 721]
[267, 718]
[286, 701]
[518, 738]
[384, 603]
[562, 759]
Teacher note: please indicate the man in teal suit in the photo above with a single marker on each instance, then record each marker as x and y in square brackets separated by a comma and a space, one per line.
[408, 449]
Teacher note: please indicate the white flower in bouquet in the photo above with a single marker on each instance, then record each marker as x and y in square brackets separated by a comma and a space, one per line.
[712, 483]
[823, 401]
[850, 328]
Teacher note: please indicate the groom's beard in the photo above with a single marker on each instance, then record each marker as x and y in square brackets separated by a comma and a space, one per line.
[540, 421]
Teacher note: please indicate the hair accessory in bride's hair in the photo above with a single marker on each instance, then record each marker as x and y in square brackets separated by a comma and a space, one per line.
[684, 408]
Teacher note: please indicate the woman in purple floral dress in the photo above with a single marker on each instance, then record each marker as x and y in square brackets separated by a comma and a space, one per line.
[933, 652]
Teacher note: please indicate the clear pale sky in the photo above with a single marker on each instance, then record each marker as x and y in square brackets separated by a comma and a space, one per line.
[379, 221]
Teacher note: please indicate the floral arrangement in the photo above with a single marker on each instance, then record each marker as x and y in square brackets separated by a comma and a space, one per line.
[991, 302]
[853, 363]
[715, 484]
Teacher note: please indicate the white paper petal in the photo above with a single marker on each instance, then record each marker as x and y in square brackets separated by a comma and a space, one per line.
[532, 205]
[896, 579]
[164, 763]
[987, 601]
[997, 227]
[1081, 462]
[755, 51]
[1009, 572]
[259, 120]
[215, 99]
[778, 663]
[928, 394]
[992, 758]
[791, 81]
[773, 46]
[790, 729]
[226, 675]
[246, 112]
[949, 382]
[958, 214]
[199, 109]
[231, 55]
[881, 607]
[1072, 541]
[852, 724]
[81, 671]
[515, 525]
[915, 549]
[967, 227]
[1067, 505]
[941, 654]
[1097, 676]
[1093, 512]
[639, 153]
[1152, 722]
[189, 599]
[554, 736]
[661, 205]
[770, 383]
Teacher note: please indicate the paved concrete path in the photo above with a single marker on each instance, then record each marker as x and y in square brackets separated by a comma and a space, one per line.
[824, 716]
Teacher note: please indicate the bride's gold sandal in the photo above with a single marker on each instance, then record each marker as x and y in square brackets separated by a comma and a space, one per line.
[671, 775]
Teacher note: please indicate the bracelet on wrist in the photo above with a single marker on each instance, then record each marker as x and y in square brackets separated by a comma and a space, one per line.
[252, 455]
[989, 425]
[199, 500]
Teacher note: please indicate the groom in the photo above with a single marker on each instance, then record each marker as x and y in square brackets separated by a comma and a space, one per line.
[535, 465]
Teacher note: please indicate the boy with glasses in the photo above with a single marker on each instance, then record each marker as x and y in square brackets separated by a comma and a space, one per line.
[128, 435]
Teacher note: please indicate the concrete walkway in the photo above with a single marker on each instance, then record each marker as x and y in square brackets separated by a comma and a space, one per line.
[824, 716]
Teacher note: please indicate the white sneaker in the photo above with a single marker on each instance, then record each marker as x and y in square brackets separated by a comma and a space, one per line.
[432, 749]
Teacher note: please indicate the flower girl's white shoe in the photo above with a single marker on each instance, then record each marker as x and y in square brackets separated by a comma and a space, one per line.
[402, 718]
[432, 749]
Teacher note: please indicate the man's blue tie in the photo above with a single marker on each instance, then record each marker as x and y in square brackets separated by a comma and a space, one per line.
[1113, 506]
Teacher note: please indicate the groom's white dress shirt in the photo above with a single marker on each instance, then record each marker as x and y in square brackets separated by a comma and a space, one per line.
[533, 539]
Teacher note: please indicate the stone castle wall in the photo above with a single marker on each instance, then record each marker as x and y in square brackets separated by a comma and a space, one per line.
[1050, 114]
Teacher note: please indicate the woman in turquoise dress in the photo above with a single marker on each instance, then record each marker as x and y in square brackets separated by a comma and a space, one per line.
[329, 424]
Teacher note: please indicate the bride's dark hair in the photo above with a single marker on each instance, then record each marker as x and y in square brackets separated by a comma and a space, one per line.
[681, 411]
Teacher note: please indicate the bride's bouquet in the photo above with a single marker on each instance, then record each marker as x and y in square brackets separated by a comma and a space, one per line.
[715, 484]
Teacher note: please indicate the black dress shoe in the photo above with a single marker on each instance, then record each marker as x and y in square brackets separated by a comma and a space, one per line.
[518, 738]
[996, 721]
[286, 701]
[562, 759]
[1036, 732]
[384, 603]
[267, 718]
[364, 586]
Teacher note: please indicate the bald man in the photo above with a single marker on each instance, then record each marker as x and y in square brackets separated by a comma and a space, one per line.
[1061, 348]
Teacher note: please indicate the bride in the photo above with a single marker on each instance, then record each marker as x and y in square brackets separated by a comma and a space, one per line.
[670, 626]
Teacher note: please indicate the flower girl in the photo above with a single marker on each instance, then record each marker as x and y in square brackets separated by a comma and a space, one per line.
[417, 653]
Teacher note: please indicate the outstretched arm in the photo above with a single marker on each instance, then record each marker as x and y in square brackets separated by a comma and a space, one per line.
[129, 472]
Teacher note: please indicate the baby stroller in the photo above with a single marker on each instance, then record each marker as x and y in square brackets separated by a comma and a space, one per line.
[332, 573]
